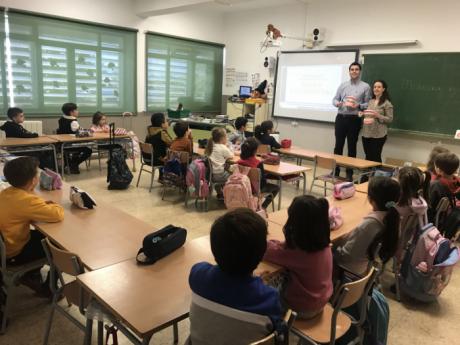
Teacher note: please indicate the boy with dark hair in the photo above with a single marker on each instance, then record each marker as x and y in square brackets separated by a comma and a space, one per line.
[19, 208]
[184, 139]
[239, 135]
[13, 128]
[68, 124]
[446, 183]
[159, 138]
[238, 243]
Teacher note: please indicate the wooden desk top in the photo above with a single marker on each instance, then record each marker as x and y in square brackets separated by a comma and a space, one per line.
[353, 211]
[345, 161]
[67, 138]
[42, 140]
[149, 298]
[101, 237]
[362, 187]
[284, 169]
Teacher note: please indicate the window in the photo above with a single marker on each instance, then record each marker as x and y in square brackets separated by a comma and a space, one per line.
[183, 71]
[54, 61]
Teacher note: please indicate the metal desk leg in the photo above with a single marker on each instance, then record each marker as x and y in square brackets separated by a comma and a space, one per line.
[280, 179]
[56, 167]
[100, 333]
[304, 182]
[88, 332]
[146, 340]
[176, 333]
[62, 161]
[134, 156]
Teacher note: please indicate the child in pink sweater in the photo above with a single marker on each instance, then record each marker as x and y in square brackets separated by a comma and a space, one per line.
[306, 254]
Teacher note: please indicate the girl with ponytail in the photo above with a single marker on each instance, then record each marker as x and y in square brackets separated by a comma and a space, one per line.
[379, 226]
[306, 254]
[262, 133]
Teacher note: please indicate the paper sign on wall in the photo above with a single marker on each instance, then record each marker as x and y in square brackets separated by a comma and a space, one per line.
[457, 134]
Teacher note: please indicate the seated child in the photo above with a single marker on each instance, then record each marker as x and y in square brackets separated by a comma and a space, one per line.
[68, 124]
[99, 123]
[306, 249]
[14, 129]
[160, 139]
[430, 164]
[379, 226]
[446, 183]
[238, 243]
[262, 133]
[19, 208]
[184, 139]
[414, 192]
[248, 158]
[238, 137]
[219, 154]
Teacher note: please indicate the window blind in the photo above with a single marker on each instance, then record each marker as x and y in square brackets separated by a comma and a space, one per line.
[54, 61]
[183, 71]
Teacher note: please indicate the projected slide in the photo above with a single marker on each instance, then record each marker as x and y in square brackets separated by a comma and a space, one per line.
[307, 82]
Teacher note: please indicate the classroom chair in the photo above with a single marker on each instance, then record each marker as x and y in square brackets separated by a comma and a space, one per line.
[213, 182]
[333, 323]
[225, 325]
[147, 149]
[63, 262]
[329, 164]
[274, 337]
[11, 275]
[172, 180]
[255, 177]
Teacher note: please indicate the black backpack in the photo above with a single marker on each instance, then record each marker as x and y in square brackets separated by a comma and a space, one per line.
[452, 223]
[118, 174]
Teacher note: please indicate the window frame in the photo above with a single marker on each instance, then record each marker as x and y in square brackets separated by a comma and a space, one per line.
[70, 49]
[193, 73]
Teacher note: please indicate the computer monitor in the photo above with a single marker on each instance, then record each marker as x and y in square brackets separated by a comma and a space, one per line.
[245, 91]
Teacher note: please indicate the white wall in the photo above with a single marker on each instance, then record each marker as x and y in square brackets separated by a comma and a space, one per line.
[434, 23]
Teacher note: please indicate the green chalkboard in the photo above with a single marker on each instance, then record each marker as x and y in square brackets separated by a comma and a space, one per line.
[424, 89]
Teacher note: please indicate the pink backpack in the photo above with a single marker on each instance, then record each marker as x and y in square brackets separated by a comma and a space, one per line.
[344, 190]
[427, 247]
[195, 179]
[238, 191]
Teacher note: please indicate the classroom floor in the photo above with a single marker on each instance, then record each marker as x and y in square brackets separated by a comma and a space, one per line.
[410, 322]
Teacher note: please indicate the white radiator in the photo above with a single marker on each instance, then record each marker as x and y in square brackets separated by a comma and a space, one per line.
[31, 126]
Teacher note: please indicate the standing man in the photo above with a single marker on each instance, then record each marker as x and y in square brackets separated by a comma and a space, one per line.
[352, 96]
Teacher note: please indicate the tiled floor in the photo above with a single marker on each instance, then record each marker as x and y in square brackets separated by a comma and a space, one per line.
[410, 322]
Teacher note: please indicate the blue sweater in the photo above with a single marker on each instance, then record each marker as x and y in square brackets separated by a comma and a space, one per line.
[247, 293]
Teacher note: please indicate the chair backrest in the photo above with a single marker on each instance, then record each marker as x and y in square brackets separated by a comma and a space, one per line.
[441, 210]
[355, 290]
[272, 338]
[263, 150]
[268, 340]
[255, 178]
[146, 149]
[408, 225]
[325, 162]
[64, 261]
[182, 156]
[213, 323]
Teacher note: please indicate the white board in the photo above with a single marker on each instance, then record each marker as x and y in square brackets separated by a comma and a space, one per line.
[306, 83]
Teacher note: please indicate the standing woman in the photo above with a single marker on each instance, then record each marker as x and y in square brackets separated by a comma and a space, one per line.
[376, 119]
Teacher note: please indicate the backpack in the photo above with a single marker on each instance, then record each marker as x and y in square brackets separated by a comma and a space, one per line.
[197, 178]
[238, 191]
[118, 174]
[378, 318]
[428, 264]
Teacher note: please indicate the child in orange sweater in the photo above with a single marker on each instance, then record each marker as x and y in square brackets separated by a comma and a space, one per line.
[19, 208]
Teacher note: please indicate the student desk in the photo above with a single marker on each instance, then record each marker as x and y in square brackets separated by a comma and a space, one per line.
[67, 140]
[353, 210]
[362, 187]
[150, 298]
[348, 162]
[100, 237]
[286, 169]
[42, 143]
[278, 171]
